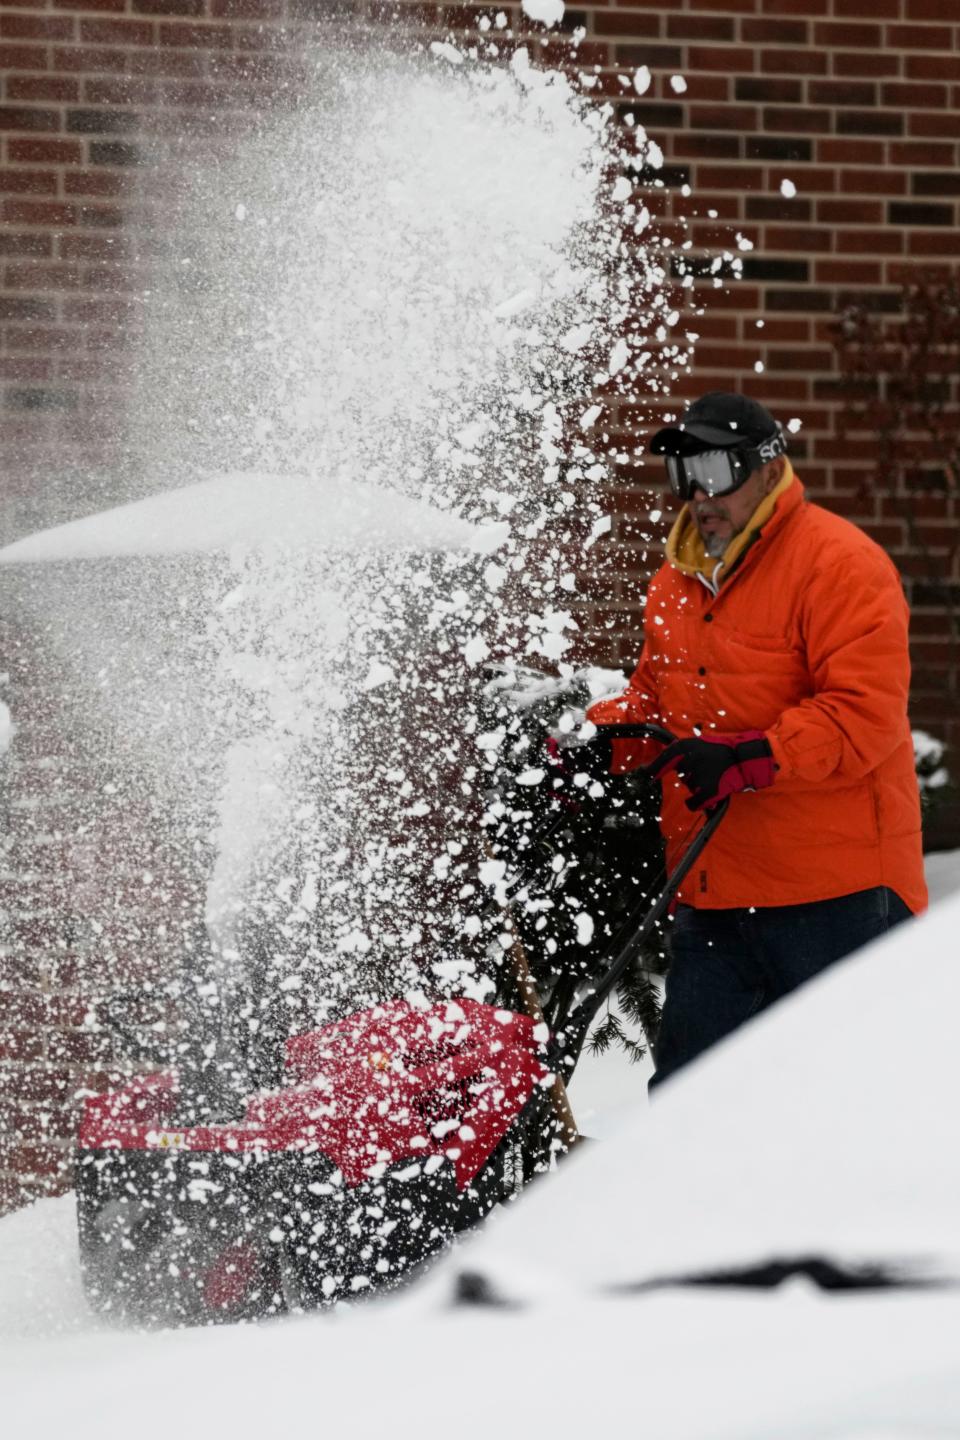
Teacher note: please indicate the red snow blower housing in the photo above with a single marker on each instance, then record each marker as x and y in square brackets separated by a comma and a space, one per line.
[395, 1128]
[392, 1130]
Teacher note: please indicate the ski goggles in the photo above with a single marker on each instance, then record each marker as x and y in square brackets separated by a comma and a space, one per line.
[720, 472]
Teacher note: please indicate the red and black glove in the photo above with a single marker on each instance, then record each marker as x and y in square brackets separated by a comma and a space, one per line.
[714, 766]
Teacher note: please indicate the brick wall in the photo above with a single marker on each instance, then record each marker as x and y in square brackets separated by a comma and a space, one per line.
[856, 102]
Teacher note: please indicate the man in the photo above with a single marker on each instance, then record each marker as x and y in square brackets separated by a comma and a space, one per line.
[776, 650]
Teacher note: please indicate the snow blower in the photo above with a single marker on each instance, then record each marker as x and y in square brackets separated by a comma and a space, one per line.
[392, 1130]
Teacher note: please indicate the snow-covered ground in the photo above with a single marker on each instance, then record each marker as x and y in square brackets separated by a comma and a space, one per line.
[825, 1128]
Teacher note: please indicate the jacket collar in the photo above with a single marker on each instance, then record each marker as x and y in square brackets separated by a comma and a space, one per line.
[685, 549]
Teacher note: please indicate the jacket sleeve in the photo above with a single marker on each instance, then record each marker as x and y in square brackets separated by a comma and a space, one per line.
[854, 624]
[638, 705]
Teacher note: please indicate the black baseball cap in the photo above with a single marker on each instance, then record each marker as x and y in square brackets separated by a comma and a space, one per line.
[716, 421]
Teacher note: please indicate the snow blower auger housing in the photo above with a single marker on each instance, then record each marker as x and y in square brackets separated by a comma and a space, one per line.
[395, 1128]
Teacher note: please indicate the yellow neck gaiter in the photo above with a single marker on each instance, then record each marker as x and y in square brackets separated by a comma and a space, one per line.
[685, 548]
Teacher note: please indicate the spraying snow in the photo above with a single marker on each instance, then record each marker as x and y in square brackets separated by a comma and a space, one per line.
[379, 338]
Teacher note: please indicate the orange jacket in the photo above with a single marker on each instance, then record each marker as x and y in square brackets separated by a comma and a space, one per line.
[805, 639]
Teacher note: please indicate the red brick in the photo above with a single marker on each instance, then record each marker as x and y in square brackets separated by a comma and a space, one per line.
[80, 58]
[97, 247]
[933, 125]
[717, 327]
[726, 205]
[728, 7]
[850, 212]
[80, 1048]
[933, 67]
[101, 216]
[20, 1010]
[790, 61]
[921, 152]
[723, 117]
[920, 37]
[47, 1161]
[116, 32]
[721, 57]
[905, 273]
[700, 27]
[929, 10]
[117, 6]
[809, 179]
[663, 56]
[161, 62]
[740, 297]
[699, 87]
[903, 95]
[723, 147]
[38, 212]
[21, 337]
[833, 34]
[888, 241]
[933, 242]
[22, 117]
[776, 388]
[848, 272]
[23, 57]
[740, 177]
[41, 87]
[778, 330]
[867, 9]
[12, 243]
[798, 119]
[727, 356]
[25, 369]
[213, 37]
[867, 62]
[869, 122]
[798, 238]
[807, 361]
[780, 90]
[848, 151]
[775, 32]
[841, 92]
[28, 182]
[168, 7]
[53, 152]
[98, 312]
[120, 91]
[616, 22]
[712, 235]
[248, 9]
[874, 182]
[35, 27]
[95, 182]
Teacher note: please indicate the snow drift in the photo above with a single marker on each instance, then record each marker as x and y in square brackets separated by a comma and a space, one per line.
[295, 512]
[821, 1129]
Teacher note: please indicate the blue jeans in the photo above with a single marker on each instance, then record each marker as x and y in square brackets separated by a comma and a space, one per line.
[727, 965]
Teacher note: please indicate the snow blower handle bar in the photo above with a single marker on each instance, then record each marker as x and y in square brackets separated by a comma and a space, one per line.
[635, 732]
[574, 1031]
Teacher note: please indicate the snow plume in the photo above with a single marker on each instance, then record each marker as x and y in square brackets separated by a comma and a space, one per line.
[425, 282]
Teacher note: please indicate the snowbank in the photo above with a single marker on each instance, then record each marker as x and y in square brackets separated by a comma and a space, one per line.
[822, 1128]
[253, 510]
[686, 1366]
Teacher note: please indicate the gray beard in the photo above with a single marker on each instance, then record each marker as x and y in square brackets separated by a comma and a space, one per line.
[715, 546]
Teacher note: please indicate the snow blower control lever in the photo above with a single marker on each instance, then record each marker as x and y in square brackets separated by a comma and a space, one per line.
[568, 1040]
